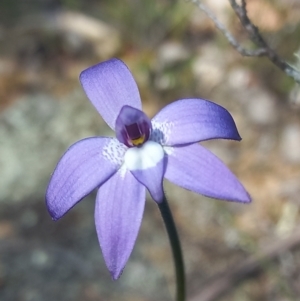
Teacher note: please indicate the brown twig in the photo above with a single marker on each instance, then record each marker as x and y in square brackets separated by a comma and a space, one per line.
[257, 38]
[228, 280]
[263, 49]
[227, 34]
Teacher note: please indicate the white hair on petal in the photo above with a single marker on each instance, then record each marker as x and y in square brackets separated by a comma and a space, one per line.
[161, 132]
[114, 151]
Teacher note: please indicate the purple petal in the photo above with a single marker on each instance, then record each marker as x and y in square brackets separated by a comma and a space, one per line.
[85, 165]
[192, 120]
[147, 163]
[195, 168]
[110, 86]
[118, 216]
[133, 127]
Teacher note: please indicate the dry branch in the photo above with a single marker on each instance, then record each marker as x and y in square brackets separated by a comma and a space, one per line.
[263, 49]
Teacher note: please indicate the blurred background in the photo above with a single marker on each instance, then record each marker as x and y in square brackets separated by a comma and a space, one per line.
[232, 252]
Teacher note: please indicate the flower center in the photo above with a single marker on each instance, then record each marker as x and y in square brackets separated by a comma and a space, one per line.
[134, 134]
[133, 127]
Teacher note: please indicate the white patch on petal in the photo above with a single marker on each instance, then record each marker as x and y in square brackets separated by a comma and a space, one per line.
[144, 157]
[122, 171]
[114, 151]
[168, 150]
[161, 132]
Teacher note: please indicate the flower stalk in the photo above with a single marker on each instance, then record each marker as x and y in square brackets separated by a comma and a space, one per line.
[175, 246]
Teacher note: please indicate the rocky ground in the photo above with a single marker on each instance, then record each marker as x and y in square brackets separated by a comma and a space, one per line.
[174, 51]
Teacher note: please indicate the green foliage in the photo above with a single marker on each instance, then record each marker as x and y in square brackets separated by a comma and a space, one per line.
[146, 22]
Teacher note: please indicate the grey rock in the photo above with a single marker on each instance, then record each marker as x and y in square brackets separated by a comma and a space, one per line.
[290, 143]
[34, 133]
[209, 66]
[171, 52]
[77, 29]
[260, 107]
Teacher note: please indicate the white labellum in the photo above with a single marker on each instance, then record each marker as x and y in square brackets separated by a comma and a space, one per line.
[144, 157]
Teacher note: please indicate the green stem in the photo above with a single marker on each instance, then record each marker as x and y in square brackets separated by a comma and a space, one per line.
[176, 248]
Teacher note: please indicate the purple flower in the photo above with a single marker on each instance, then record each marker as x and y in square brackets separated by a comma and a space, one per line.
[142, 154]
